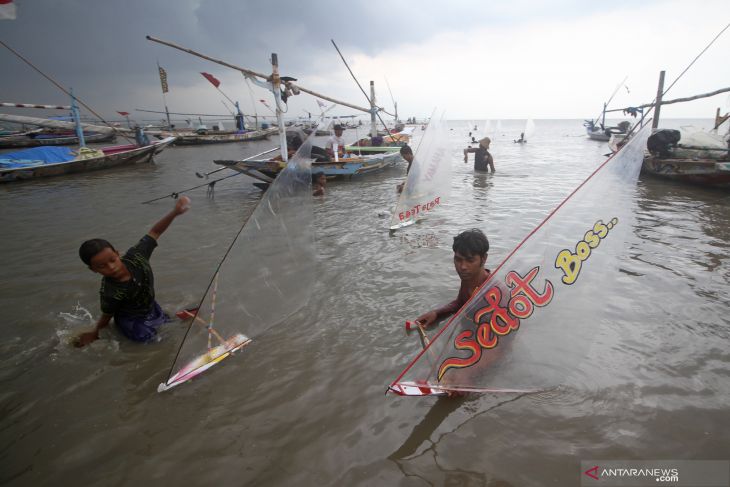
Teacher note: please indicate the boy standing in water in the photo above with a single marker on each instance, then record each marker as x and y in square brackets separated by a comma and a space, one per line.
[319, 181]
[470, 254]
[483, 160]
[127, 287]
[406, 153]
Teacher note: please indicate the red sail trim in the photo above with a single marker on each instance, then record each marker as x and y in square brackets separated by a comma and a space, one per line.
[489, 280]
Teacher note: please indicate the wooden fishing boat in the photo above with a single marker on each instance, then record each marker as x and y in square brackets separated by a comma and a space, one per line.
[706, 172]
[39, 139]
[382, 144]
[345, 167]
[318, 132]
[688, 156]
[213, 138]
[603, 133]
[55, 161]
[597, 129]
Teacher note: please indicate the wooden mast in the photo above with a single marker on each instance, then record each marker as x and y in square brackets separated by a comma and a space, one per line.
[373, 111]
[658, 106]
[275, 83]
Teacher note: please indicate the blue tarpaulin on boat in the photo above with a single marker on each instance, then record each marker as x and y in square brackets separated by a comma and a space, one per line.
[36, 156]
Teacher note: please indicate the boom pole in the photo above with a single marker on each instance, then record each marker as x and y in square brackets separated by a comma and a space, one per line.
[253, 74]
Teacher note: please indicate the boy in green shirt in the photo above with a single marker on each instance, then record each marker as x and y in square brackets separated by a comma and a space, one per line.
[127, 288]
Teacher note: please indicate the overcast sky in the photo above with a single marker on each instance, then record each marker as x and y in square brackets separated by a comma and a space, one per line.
[474, 59]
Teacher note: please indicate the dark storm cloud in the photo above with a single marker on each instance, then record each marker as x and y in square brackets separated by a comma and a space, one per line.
[99, 46]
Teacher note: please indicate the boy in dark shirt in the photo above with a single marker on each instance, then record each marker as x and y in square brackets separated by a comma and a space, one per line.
[483, 160]
[319, 181]
[470, 254]
[127, 288]
[406, 153]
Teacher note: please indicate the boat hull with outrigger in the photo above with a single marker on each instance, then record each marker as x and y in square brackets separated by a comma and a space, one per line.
[602, 133]
[346, 167]
[31, 164]
[213, 138]
[688, 156]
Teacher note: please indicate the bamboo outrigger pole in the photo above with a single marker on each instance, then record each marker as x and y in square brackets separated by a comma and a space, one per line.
[658, 100]
[253, 74]
[676, 100]
[43, 122]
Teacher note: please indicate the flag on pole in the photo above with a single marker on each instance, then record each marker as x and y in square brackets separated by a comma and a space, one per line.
[163, 79]
[321, 103]
[7, 10]
[123, 114]
[213, 80]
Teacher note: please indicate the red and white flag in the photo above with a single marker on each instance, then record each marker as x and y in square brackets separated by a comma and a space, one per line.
[7, 10]
[213, 80]
[123, 114]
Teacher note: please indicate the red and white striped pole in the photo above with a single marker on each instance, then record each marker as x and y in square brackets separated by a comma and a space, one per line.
[30, 105]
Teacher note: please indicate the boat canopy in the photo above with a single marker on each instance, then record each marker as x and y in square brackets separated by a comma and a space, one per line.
[36, 156]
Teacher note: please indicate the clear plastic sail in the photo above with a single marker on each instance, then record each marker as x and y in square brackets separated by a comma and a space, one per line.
[265, 276]
[429, 179]
[531, 323]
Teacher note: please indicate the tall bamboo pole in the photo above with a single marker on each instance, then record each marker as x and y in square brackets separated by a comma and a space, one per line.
[658, 106]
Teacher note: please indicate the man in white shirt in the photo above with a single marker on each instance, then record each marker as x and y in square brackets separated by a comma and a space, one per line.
[336, 140]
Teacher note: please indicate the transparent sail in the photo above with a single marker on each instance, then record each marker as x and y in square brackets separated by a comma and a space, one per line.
[265, 276]
[429, 179]
[532, 322]
[529, 129]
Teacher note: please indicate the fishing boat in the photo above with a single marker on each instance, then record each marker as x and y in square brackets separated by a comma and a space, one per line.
[56, 131]
[189, 138]
[43, 138]
[40, 162]
[596, 129]
[317, 132]
[688, 156]
[43, 162]
[381, 144]
[704, 172]
[344, 167]
[599, 131]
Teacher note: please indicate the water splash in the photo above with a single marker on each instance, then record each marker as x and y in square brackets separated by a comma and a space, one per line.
[78, 315]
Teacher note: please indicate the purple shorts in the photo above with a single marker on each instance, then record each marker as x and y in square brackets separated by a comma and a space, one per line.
[142, 328]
